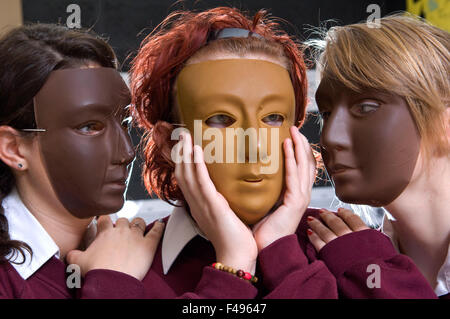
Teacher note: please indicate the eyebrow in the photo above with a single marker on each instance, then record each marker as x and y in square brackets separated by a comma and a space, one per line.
[99, 107]
[270, 98]
[227, 99]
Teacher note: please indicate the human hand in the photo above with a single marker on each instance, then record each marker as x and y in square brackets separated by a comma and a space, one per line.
[232, 239]
[300, 173]
[120, 247]
[342, 223]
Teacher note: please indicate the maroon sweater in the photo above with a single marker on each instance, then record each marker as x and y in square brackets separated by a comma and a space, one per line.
[291, 268]
[349, 256]
[49, 282]
[283, 269]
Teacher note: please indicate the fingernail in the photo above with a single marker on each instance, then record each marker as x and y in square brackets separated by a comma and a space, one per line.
[322, 211]
[309, 218]
[309, 231]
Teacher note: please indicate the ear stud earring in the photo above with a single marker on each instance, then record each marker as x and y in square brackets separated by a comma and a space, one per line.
[20, 165]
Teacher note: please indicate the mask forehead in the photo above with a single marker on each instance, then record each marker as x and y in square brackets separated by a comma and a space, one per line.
[247, 83]
[78, 94]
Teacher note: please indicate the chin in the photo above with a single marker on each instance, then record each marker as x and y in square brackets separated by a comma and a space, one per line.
[250, 216]
[110, 207]
[250, 220]
[349, 197]
[359, 199]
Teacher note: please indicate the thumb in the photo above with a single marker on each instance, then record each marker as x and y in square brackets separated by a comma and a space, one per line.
[154, 235]
[74, 256]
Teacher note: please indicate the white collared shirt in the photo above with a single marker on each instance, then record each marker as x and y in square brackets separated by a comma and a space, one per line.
[23, 226]
[443, 277]
[180, 230]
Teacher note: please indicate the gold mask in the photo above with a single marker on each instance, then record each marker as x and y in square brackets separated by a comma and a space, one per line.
[221, 99]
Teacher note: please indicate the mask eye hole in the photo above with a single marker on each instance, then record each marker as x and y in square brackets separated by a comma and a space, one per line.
[273, 119]
[364, 108]
[220, 120]
[91, 128]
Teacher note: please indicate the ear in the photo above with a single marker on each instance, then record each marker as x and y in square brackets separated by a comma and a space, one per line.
[10, 141]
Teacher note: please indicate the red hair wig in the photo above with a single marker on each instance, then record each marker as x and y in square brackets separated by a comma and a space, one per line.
[163, 54]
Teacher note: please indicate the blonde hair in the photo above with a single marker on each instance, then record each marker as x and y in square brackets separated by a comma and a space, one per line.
[404, 55]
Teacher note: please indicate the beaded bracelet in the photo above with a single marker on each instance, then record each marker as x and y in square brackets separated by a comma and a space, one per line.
[239, 273]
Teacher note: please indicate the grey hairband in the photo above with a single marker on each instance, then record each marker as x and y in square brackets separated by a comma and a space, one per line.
[233, 33]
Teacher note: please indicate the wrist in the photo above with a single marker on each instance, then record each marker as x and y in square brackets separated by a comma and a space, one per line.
[238, 273]
[247, 265]
[267, 241]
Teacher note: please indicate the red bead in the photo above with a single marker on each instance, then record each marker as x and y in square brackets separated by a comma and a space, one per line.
[240, 273]
[247, 276]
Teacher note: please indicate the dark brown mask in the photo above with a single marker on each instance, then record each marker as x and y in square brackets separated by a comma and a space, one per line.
[370, 143]
[86, 147]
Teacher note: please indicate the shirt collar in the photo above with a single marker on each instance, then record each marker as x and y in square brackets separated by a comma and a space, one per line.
[180, 230]
[443, 277]
[23, 226]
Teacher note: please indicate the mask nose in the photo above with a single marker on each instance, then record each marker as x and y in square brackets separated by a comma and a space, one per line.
[248, 143]
[125, 153]
[335, 131]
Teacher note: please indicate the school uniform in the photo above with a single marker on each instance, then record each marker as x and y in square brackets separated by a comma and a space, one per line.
[356, 260]
[43, 275]
[182, 268]
[288, 268]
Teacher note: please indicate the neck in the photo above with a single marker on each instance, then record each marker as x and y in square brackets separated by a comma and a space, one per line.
[66, 230]
[422, 216]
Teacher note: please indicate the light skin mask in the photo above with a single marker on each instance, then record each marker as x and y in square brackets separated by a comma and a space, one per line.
[240, 112]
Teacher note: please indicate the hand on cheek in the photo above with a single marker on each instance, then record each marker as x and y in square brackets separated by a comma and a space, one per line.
[332, 225]
[300, 173]
[232, 239]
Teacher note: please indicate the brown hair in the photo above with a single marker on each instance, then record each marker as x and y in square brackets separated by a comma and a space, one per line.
[180, 38]
[406, 56]
[28, 54]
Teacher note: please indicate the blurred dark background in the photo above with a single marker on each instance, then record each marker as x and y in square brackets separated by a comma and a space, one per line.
[126, 23]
